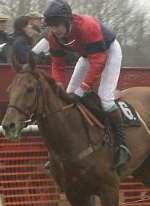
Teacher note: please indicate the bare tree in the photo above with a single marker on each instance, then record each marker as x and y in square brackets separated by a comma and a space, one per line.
[130, 22]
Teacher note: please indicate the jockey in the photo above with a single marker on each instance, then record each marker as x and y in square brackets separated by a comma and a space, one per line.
[101, 58]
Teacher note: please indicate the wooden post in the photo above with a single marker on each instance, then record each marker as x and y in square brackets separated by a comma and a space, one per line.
[2, 200]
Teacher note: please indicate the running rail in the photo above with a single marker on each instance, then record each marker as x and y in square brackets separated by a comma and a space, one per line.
[31, 129]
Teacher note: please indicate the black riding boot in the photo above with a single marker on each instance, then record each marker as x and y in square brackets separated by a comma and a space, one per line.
[122, 154]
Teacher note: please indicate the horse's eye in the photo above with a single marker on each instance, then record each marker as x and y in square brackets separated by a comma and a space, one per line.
[30, 90]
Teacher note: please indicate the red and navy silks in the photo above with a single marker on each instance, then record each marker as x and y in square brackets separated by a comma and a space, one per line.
[89, 38]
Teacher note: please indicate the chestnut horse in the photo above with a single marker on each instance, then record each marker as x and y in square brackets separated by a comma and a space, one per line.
[68, 137]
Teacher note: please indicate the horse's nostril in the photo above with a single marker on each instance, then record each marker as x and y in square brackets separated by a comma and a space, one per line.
[4, 127]
[12, 125]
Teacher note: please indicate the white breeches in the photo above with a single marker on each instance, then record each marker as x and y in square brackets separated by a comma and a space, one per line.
[109, 76]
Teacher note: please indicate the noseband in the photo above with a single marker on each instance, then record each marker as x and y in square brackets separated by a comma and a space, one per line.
[19, 110]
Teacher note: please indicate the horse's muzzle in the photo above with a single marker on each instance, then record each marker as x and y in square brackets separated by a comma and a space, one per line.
[9, 126]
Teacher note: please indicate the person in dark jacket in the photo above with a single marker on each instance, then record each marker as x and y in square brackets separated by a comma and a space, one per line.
[23, 41]
[101, 58]
[3, 39]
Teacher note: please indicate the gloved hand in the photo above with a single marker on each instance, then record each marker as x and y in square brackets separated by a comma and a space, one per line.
[74, 98]
[77, 95]
[60, 85]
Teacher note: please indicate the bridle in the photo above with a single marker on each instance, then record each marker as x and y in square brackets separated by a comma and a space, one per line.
[19, 110]
[32, 116]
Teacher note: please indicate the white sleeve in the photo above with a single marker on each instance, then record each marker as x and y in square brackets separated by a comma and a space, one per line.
[2, 46]
[41, 46]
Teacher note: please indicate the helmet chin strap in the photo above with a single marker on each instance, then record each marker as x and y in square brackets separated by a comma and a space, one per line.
[68, 28]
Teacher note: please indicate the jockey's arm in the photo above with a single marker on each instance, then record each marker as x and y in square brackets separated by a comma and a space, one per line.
[96, 54]
[58, 61]
[97, 63]
[58, 70]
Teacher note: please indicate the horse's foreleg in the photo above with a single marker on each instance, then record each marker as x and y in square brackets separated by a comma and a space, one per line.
[110, 197]
[79, 199]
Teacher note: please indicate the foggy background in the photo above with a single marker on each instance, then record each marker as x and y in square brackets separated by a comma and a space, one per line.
[130, 20]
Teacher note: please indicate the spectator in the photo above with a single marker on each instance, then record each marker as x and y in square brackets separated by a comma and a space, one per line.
[36, 22]
[23, 39]
[3, 38]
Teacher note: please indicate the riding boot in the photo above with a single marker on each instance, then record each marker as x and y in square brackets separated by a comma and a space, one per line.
[122, 154]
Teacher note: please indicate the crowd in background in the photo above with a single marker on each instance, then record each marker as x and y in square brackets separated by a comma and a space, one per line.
[27, 31]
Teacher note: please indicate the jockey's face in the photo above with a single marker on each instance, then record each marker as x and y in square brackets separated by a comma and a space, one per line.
[59, 30]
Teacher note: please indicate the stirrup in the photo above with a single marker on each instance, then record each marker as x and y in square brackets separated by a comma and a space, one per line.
[124, 156]
[126, 149]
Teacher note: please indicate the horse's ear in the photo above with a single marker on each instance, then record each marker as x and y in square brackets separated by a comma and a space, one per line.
[15, 63]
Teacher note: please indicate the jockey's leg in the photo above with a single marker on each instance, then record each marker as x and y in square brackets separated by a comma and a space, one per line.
[80, 70]
[122, 152]
[109, 80]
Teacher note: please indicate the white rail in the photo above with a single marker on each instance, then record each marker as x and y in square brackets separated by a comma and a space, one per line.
[31, 129]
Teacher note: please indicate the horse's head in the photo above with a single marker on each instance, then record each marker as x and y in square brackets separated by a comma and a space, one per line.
[23, 97]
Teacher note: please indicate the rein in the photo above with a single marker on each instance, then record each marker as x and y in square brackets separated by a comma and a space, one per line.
[39, 92]
[19, 110]
[60, 110]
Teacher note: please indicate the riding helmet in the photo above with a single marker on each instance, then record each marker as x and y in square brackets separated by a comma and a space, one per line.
[58, 11]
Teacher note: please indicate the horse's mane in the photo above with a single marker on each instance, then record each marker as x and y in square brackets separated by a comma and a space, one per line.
[57, 89]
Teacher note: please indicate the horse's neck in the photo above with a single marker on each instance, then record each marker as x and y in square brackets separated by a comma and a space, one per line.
[63, 130]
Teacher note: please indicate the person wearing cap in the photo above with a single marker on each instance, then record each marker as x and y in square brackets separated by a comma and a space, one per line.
[3, 38]
[36, 20]
[23, 39]
[100, 60]
[40, 33]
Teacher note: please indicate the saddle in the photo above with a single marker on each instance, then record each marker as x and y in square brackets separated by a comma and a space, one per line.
[129, 115]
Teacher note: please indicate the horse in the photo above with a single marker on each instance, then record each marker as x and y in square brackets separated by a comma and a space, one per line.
[83, 155]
